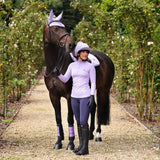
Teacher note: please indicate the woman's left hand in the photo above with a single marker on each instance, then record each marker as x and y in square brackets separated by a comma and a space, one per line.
[91, 102]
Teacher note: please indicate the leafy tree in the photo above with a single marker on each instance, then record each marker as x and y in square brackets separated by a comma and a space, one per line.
[126, 32]
[19, 4]
[21, 26]
[22, 49]
[70, 17]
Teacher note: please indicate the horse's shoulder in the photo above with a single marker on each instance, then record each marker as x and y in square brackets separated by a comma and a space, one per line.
[100, 55]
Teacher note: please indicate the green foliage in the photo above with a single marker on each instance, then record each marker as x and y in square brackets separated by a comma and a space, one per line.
[82, 30]
[106, 5]
[7, 120]
[54, 4]
[128, 32]
[18, 3]
[21, 47]
[22, 51]
[157, 33]
[12, 158]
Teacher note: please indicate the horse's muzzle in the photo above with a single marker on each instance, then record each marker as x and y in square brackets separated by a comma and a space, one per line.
[70, 47]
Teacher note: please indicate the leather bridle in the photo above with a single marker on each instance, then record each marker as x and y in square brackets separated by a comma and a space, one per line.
[59, 43]
[58, 38]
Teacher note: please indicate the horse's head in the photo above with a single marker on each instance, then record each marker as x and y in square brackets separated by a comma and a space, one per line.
[56, 34]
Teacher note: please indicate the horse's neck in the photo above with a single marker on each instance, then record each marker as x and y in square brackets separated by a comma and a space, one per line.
[65, 63]
[52, 55]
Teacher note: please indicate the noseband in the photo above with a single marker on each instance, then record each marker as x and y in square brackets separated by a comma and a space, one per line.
[58, 38]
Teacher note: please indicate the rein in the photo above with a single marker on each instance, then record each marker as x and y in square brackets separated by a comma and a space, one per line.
[58, 65]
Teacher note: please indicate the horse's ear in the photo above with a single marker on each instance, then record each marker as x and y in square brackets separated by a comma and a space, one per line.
[50, 16]
[59, 17]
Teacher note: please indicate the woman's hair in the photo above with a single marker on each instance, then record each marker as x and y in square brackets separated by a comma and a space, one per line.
[81, 46]
[83, 50]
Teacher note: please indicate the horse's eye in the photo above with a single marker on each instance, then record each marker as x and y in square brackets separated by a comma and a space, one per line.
[56, 29]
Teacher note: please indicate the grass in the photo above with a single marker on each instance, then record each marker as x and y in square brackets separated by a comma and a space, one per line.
[157, 131]
[8, 120]
[11, 158]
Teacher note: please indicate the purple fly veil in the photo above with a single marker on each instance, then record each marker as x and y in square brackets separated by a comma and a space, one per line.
[55, 21]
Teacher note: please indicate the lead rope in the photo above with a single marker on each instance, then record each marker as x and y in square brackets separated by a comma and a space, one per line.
[60, 60]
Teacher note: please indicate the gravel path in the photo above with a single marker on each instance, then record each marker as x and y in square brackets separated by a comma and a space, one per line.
[33, 133]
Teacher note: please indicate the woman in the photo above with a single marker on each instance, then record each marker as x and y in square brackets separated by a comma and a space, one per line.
[82, 94]
[91, 58]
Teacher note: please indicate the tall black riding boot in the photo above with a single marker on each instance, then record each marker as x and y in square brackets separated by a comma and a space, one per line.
[85, 135]
[80, 139]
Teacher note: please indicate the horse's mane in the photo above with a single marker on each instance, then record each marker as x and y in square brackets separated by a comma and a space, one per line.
[66, 60]
[56, 56]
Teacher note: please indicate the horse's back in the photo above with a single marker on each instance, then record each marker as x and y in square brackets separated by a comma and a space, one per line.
[103, 57]
[105, 72]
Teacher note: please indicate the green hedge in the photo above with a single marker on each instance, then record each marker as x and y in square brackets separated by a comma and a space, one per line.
[128, 32]
[21, 50]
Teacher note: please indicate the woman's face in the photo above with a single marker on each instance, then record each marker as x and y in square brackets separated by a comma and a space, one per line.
[83, 55]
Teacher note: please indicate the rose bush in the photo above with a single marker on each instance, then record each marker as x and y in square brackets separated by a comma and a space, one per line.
[21, 50]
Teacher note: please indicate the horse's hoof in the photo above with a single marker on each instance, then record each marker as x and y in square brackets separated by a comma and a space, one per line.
[70, 147]
[99, 139]
[91, 136]
[58, 146]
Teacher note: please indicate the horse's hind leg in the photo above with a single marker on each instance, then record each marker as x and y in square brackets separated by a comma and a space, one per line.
[92, 123]
[70, 126]
[103, 114]
[57, 106]
[98, 134]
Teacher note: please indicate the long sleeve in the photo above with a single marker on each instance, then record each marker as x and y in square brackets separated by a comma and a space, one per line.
[64, 78]
[82, 72]
[91, 57]
[93, 60]
[73, 58]
[93, 80]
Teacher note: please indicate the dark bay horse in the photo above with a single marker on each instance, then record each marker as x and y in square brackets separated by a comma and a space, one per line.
[57, 46]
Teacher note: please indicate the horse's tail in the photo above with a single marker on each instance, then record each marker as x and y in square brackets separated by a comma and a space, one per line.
[103, 109]
[103, 95]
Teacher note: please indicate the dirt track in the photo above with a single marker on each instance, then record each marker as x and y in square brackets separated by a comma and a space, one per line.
[33, 134]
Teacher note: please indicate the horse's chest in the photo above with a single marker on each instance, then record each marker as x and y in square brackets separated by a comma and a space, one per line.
[57, 86]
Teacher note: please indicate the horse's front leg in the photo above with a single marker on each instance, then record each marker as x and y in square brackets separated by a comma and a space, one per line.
[92, 123]
[70, 126]
[57, 106]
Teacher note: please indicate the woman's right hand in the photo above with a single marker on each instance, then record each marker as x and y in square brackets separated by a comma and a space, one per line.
[56, 71]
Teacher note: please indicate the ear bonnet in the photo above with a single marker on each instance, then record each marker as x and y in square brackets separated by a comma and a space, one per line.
[55, 21]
